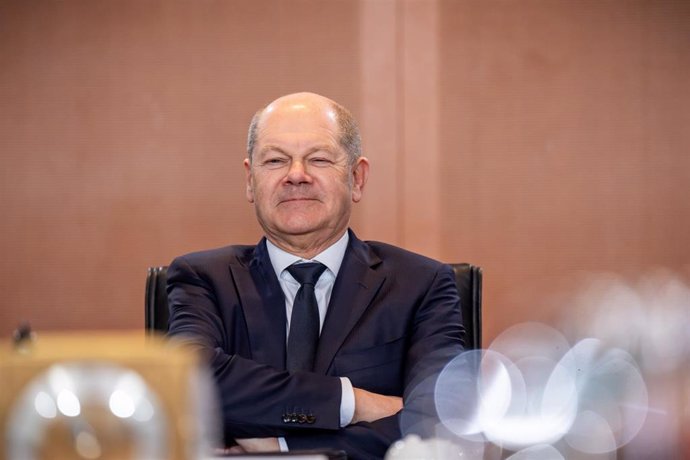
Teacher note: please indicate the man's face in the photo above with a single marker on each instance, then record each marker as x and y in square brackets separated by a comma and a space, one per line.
[300, 178]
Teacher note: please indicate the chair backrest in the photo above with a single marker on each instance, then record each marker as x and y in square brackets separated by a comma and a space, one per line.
[468, 278]
[156, 301]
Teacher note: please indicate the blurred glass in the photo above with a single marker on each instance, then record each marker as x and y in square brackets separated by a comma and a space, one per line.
[105, 396]
[87, 410]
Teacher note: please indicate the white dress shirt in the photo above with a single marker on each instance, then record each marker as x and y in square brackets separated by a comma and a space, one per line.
[332, 258]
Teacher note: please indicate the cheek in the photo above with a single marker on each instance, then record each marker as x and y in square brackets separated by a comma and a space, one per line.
[340, 200]
[261, 189]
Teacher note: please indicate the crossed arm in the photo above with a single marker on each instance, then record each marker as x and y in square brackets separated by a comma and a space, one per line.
[253, 395]
[369, 407]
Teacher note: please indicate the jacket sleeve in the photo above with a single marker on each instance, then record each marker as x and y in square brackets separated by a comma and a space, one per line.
[256, 400]
[363, 441]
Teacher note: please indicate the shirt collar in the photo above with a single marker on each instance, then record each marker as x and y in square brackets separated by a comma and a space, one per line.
[331, 257]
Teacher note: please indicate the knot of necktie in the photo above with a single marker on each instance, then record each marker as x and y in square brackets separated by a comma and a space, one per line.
[307, 273]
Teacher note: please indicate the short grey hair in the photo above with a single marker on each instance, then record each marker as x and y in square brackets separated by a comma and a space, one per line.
[350, 138]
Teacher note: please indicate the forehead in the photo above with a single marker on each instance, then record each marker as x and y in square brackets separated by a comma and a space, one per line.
[298, 123]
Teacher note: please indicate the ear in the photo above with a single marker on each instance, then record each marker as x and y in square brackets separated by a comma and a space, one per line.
[250, 181]
[360, 174]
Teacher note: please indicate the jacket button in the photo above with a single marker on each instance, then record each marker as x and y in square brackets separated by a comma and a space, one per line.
[286, 418]
[293, 418]
[302, 418]
[311, 418]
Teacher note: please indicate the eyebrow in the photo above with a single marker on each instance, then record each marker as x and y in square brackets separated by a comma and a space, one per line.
[269, 147]
[277, 148]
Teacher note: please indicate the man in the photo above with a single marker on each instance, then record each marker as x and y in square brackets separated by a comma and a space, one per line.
[387, 318]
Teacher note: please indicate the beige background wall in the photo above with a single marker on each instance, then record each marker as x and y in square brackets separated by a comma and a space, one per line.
[538, 139]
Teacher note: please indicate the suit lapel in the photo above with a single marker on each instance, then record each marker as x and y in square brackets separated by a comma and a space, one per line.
[354, 289]
[263, 304]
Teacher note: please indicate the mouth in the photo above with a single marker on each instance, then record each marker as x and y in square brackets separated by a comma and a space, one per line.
[296, 200]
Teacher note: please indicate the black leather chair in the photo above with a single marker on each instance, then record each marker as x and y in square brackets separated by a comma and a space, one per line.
[156, 301]
[468, 278]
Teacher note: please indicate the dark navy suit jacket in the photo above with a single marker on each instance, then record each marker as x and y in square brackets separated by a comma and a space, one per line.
[393, 321]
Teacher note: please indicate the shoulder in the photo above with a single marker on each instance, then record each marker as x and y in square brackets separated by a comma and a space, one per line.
[408, 274]
[389, 252]
[374, 252]
[211, 259]
[402, 263]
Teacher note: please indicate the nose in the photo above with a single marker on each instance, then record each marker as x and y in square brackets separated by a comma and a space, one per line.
[297, 173]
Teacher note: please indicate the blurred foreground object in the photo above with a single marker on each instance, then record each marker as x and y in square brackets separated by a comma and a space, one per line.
[412, 447]
[104, 396]
[530, 395]
[647, 315]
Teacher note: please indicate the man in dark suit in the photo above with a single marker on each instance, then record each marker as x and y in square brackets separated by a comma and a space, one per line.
[383, 319]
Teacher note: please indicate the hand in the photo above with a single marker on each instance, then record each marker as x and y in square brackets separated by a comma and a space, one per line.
[259, 444]
[372, 406]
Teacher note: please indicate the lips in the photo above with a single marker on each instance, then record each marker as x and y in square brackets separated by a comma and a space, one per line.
[292, 199]
[295, 204]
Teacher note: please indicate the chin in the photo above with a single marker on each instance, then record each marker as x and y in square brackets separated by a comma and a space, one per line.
[300, 226]
[296, 230]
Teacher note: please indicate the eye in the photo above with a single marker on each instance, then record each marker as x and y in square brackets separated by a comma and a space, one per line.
[274, 162]
[321, 161]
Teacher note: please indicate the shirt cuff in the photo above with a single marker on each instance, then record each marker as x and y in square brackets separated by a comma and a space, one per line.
[347, 402]
[283, 444]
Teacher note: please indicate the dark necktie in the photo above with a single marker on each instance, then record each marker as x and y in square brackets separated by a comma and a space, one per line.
[304, 322]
